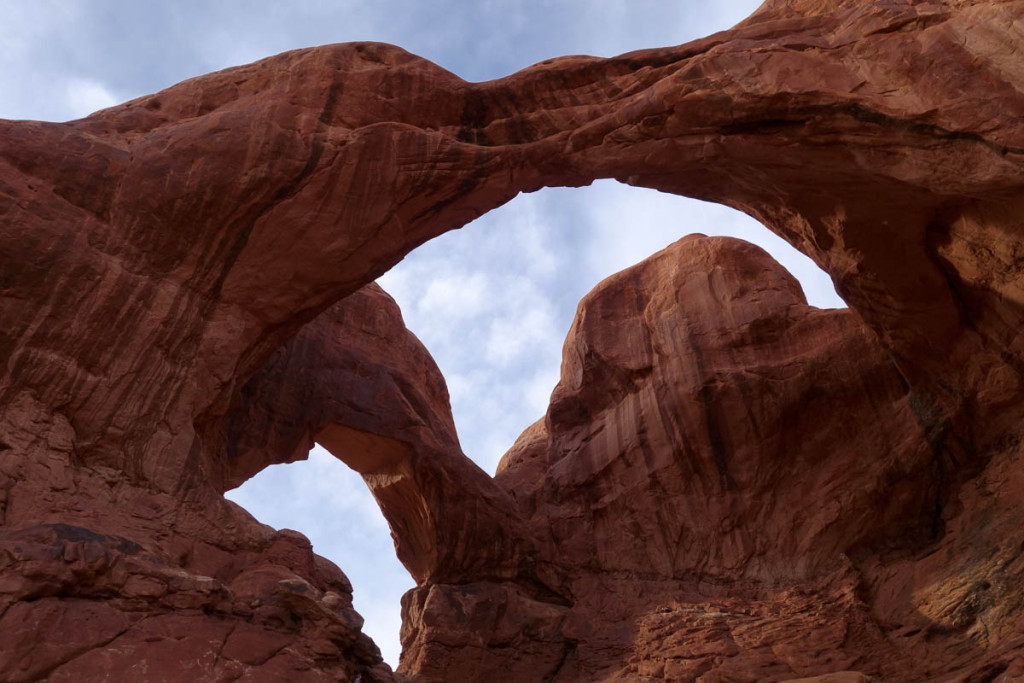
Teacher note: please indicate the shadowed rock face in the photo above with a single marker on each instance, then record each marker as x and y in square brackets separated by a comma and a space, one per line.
[716, 453]
[701, 422]
[727, 484]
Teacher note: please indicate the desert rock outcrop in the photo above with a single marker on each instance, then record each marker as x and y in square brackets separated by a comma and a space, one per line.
[728, 484]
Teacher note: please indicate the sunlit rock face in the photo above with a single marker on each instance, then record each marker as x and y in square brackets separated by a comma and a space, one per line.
[728, 484]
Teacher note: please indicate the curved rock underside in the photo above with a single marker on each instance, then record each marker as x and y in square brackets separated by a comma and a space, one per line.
[728, 484]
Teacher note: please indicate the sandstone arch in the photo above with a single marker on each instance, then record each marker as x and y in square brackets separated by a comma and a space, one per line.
[356, 381]
[882, 139]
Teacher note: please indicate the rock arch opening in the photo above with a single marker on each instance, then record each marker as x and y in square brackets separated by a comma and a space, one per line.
[329, 502]
[492, 303]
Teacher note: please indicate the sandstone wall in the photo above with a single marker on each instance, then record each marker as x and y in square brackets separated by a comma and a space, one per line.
[728, 483]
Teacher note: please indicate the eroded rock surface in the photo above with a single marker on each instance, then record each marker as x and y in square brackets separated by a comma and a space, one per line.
[722, 471]
[727, 485]
[108, 578]
[357, 382]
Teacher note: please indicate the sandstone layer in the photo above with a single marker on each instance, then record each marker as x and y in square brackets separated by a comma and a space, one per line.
[728, 484]
[721, 472]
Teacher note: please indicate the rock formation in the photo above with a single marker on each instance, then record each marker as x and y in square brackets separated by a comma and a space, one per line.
[728, 484]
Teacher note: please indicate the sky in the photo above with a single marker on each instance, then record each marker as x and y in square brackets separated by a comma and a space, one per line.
[492, 301]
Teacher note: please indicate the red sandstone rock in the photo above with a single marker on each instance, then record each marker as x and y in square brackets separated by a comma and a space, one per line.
[693, 447]
[207, 593]
[818, 500]
[361, 385]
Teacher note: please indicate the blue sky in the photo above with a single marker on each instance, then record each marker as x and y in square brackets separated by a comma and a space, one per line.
[492, 301]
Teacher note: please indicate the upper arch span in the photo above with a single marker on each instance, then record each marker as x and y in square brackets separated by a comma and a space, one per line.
[234, 207]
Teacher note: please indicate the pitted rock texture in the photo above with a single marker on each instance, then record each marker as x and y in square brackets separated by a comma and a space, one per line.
[173, 265]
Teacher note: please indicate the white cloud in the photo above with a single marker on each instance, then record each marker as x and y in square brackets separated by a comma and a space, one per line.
[455, 296]
[85, 96]
[538, 390]
[511, 336]
[530, 225]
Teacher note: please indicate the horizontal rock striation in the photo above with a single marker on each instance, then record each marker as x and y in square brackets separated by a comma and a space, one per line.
[728, 484]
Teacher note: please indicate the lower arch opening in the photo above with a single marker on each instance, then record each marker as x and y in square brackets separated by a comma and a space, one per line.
[330, 504]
